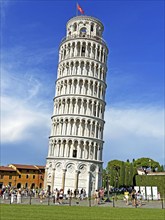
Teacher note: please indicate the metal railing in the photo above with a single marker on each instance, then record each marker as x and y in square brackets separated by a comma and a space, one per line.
[72, 201]
[84, 36]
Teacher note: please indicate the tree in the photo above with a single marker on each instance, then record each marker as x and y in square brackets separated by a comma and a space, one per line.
[122, 174]
[114, 169]
[161, 168]
[146, 163]
[130, 183]
[112, 177]
[104, 178]
[126, 176]
[113, 163]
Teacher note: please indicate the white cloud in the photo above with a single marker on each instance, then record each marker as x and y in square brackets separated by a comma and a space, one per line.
[21, 121]
[25, 110]
[134, 132]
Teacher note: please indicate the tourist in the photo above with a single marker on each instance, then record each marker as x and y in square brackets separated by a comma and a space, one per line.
[81, 194]
[56, 194]
[101, 194]
[139, 198]
[19, 196]
[61, 194]
[41, 195]
[126, 197]
[96, 197]
[133, 198]
[158, 195]
[68, 194]
[12, 196]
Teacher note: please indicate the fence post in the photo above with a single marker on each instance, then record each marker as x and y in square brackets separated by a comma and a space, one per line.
[70, 200]
[48, 199]
[136, 204]
[162, 203]
[89, 201]
[113, 202]
[30, 199]
[54, 199]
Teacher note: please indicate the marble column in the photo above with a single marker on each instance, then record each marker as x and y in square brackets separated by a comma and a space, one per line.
[45, 178]
[89, 187]
[63, 179]
[52, 182]
[76, 179]
[97, 178]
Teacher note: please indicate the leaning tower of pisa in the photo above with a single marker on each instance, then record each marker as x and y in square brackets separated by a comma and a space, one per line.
[74, 158]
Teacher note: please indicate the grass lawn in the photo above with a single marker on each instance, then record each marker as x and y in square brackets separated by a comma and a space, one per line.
[40, 212]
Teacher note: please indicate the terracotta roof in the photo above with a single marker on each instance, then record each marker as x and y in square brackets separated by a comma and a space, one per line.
[40, 167]
[22, 166]
[3, 168]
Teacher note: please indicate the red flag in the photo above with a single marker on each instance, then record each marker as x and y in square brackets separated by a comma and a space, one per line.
[80, 9]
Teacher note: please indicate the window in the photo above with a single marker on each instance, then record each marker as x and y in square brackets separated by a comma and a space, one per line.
[74, 153]
[18, 185]
[74, 27]
[83, 49]
[33, 176]
[1, 184]
[27, 176]
[9, 183]
[26, 185]
[10, 177]
[92, 27]
[33, 186]
[19, 176]
[83, 32]
[1, 176]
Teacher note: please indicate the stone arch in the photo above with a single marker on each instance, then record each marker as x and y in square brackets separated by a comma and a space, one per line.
[82, 168]
[58, 166]
[92, 27]
[93, 168]
[75, 26]
[78, 48]
[70, 167]
[79, 103]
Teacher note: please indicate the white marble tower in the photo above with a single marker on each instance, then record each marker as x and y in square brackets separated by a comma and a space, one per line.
[76, 142]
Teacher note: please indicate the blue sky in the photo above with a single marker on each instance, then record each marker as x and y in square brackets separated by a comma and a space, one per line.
[31, 33]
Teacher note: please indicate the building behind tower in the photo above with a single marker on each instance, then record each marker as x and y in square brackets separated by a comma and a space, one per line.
[74, 158]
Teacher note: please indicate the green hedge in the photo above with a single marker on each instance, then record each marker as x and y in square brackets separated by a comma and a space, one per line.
[159, 181]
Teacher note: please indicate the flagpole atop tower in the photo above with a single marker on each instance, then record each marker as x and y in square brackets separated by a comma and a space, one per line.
[79, 8]
[76, 9]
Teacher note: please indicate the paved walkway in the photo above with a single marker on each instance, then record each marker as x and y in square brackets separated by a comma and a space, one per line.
[76, 202]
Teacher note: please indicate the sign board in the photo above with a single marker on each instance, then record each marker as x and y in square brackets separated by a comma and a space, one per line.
[155, 193]
[136, 188]
[148, 192]
[143, 192]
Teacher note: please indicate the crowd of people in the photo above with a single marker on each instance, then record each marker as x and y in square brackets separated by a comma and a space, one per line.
[58, 195]
[15, 195]
[134, 197]
[99, 196]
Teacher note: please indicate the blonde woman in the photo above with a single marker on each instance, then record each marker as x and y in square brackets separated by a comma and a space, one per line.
[19, 197]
